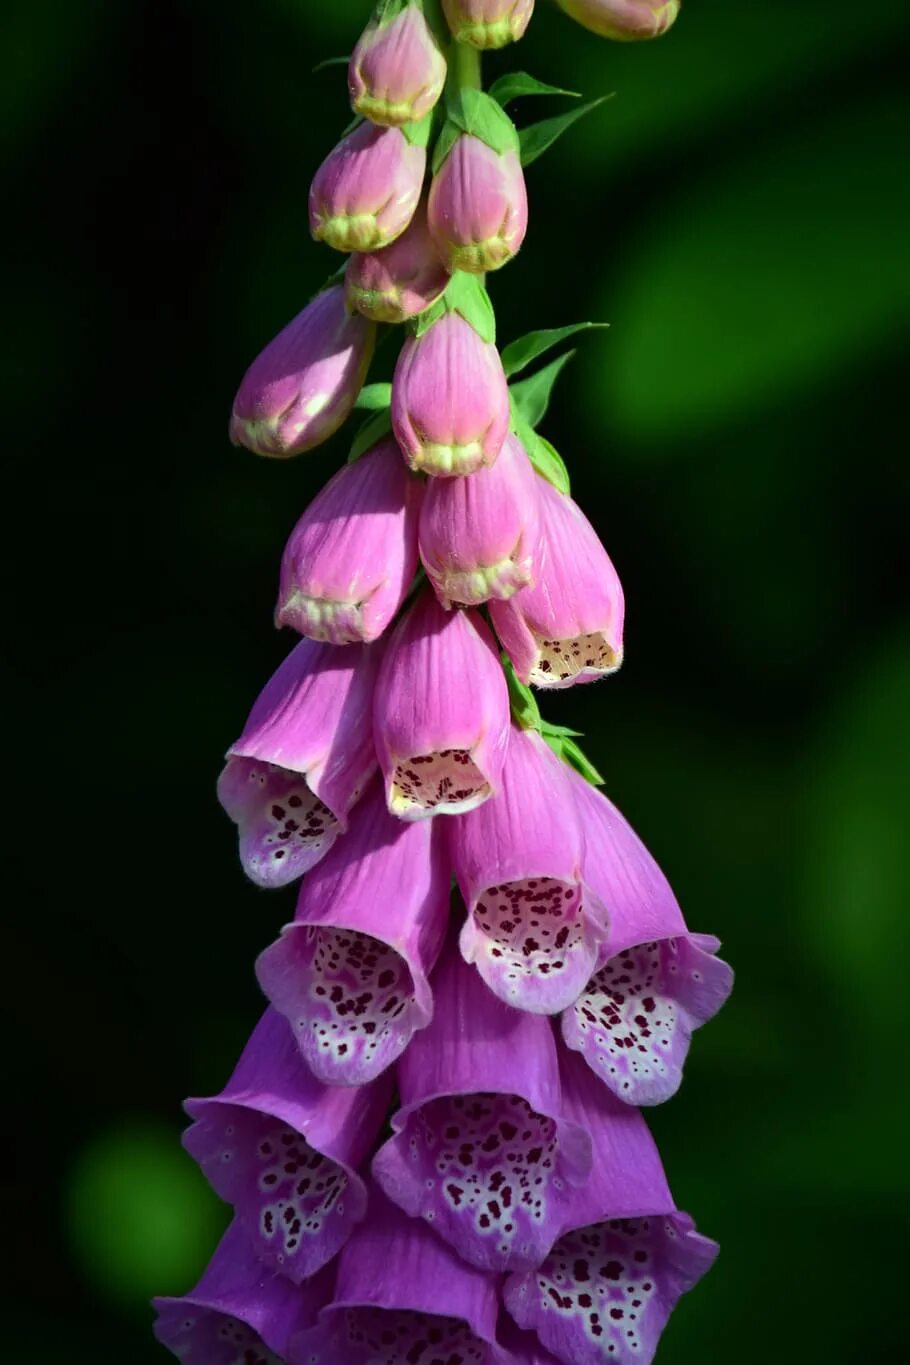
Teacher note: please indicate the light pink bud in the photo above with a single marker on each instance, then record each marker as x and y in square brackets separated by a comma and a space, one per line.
[399, 281]
[450, 400]
[397, 70]
[350, 559]
[301, 388]
[440, 713]
[488, 23]
[567, 626]
[626, 21]
[365, 192]
[479, 536]
[478, 209]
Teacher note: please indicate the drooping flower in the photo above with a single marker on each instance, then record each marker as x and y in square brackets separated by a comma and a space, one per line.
[480, 1151]
[479, 536]
[350, 559]
[441, 712]
[352, 971]
[533, 926]
[397, 71]
[625, 21]
[401, 280]
[478, 206]
[450, 400]
[303, 759]
[488, 23]
[567, 626]
[655, 982]
[301, 388]
[365, 192]
[284, 1150]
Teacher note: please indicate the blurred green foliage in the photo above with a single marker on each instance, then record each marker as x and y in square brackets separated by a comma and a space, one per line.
[739, 215]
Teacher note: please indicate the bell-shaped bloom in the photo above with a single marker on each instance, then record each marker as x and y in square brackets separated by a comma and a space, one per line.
[397, 71]
[655, 982]
[301, 388]
[303, 759]
[441, 712]
[610, 1283]
[284, 1150]
[567, 626]
[350, 559]
[352, 972]
[479, 536]
[450, 400]
[480, 1149]
[240, 1310]
[399, 281]
[365, 192]
[478, 207]
[488, 23]
[625, 21]
[533, 926]
[403, 1296]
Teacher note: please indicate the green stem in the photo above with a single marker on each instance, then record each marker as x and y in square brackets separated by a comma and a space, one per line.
[464, 65]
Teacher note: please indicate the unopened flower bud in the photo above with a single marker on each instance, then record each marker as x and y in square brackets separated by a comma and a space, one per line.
[488, 23]
[365, 192]
[397, 71]
[301, 388]
[399, 281]
[478, 208]
[625, 21]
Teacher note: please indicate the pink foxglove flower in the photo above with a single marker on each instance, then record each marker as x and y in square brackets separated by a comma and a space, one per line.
[350, 559]
[397, 70]
[401, 280]
[479, 536]
[352, 972]
[478, 207]
[284, 1150]
[567, 626]
[441, 712]
[450, 400]
[625, 21]
[302, 761]
[301, 388]
[488, 23]
[365, 192]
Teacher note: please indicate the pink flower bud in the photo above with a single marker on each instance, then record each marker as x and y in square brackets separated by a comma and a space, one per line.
[301, 388]
[397, 71]
[479, 535]
[567, 627]
[488, 23]
[440, 713]
[399, 281]
[350, 559]
[450, 400]
[626, 21]
[478, 209]
[365, 192]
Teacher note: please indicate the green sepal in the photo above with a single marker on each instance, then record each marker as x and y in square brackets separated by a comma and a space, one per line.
[374, 397]
[466, 295]
[564, 747]
[543, 456]
[531, 396]
[522, 702]
[424, 321]
[476, 113]
[535, 140]
[329, 61]
[376, 426]
[522, 351]
[384, 11]
[448, 136]
[418, 134]
[517, 83]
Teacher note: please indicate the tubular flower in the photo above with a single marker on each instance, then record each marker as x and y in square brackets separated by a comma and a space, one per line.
[301, 388]
[401, 280]
[302, 761]
[397, 71]
[348, 564]
[488, 23]
[478, 207]
[365, 192]
[625, 21]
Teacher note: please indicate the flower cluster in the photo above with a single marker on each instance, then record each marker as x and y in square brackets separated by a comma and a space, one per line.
[433, 1142]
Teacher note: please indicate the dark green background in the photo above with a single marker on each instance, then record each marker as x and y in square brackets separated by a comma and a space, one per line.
[739, 213]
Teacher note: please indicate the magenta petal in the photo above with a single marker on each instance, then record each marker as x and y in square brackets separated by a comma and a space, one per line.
[478, 206]
[488, 23]
[240, 1311]
[399, 281]
[351, 973]
[365, 192]
[397, 71]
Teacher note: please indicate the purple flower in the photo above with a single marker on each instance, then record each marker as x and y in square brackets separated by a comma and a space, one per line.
[441, 745]
[479, 536]
[303, 759]
[284, 1150]
[488, 23]
[478, 207]
[350, 559]
[401, 280]
[450, 400]
[365, 192]
[567, 626]
[301, 388]
[397, 70]
[352, 972]
[625, 21]
[533, 926]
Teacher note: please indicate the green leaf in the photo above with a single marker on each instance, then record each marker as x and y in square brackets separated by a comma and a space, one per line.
[516, 83]
[543, 456]
[467, 296]
[476, 113]
[523, 704]
[372, 430]
[564, 747]
[374, 397]
[535, 140]
[532, 396]
[521, 352]
[329, 61]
